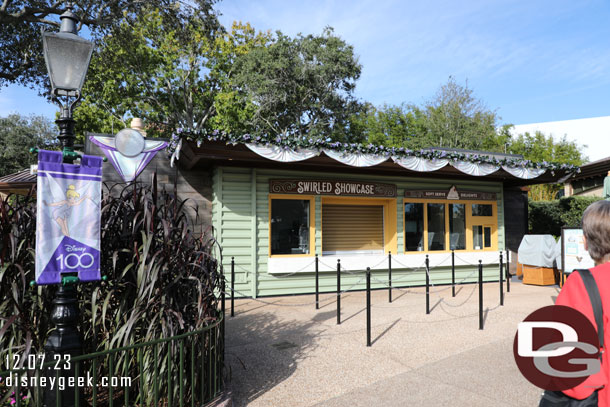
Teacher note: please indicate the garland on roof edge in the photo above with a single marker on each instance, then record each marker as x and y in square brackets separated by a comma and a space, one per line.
[300, 142]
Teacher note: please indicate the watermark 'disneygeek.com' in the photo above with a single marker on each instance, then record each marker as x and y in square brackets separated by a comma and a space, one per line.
[61, 364]
[61, 383]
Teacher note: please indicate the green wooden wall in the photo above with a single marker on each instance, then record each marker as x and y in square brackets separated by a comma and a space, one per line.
[240, 216]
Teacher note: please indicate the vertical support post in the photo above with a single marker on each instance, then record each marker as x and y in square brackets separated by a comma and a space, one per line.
[253, 236]
[563, 260]
[480, 294]
[508, 276]
[501, 280]
[63, 340]
[232, 286]
[338, 291]
[317, 284]
[453, 273]
[368, 306]
[390, 277]
[427, 285]
[223, 287]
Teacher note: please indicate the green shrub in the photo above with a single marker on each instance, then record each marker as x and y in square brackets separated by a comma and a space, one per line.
[572, 208]
[544, 217]
[548, 217]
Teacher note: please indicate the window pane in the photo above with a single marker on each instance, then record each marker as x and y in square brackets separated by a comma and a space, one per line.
[482, 210]
[487, 237]
[414, 227]
[436, 226]
[477, 237]
[457, 226]
[289, 226]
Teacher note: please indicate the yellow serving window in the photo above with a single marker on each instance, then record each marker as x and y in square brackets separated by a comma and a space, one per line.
[352, 228]
[291, 226]
[354, 225]
[444, 225]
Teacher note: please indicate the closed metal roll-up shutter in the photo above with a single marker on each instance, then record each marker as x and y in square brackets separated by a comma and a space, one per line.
[352, 228]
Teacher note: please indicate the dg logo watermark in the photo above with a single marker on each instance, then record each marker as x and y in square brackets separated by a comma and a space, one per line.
[556, 348]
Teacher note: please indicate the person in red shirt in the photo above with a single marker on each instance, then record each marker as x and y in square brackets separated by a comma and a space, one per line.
[596, 230]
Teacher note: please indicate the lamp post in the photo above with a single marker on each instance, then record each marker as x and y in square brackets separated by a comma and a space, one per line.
[67, 57]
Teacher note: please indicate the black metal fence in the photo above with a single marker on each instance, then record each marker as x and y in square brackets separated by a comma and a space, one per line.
[183, 370]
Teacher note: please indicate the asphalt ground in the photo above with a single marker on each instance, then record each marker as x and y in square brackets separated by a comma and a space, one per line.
[284, 352]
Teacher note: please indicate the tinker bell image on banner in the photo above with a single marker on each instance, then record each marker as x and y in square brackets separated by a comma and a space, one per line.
[72, 198]
[68, 218]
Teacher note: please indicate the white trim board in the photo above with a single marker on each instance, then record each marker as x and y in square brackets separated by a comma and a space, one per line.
[359, 262]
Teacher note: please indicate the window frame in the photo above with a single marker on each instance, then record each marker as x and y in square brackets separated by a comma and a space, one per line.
[470, 222]
[312, 223]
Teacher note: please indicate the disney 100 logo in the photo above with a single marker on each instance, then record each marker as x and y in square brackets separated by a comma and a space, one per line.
[74, 259]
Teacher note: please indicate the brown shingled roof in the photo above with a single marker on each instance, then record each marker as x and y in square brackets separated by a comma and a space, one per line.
[17, 183]
[597, 168]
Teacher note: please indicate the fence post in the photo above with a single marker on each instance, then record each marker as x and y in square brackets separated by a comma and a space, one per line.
[338, 291]
[368, 306]
[480, 294]
[453, 273]
[232, 286]
[501, 280]
[427, 285]
[222, 326]
[389, 277]
[508, 276]
[317, 285]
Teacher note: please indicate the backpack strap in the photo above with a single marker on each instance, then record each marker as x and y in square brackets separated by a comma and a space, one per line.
[596, 302]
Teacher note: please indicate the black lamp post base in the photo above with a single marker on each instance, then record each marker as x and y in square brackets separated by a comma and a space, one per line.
[63, 344]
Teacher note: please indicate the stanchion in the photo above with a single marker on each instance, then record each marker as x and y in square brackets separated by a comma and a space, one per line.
[427, 285]
[453, 273]
[390, 276]
[480, 294]
[232, 286]
[501, 280]
[368, 306]
[508, 276]
[338, 291]
[317, 285]
[222, 294]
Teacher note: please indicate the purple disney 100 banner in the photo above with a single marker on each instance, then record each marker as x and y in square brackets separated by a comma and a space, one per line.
[68, 218]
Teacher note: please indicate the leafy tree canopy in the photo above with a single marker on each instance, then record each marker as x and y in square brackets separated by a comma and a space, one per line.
[17, 135]
[454, 118]
[21, 57]
[170, 75]
[301, 86]
[538, 147]
[393, 126]
[541, 148]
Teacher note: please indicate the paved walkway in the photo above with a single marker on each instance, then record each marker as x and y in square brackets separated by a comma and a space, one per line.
[281, 355]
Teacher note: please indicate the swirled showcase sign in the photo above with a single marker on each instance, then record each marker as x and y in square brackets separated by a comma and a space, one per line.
[335, 188]
[68, 218]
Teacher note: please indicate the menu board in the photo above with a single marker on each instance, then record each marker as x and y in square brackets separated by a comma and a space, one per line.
[574, 254]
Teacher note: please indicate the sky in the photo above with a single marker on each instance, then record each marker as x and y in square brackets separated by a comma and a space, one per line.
[530, 61]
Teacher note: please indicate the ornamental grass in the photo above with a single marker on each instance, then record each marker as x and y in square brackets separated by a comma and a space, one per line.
[162, 280]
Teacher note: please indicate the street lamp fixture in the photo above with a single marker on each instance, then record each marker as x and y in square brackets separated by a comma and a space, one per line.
[67, 57]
